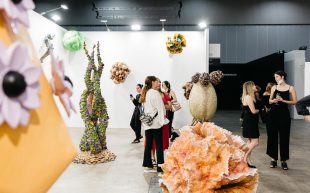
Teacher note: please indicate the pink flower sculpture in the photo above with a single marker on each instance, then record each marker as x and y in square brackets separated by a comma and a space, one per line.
[208, 159]
[58, 74]
[17, 10]
[61, 87]
[19, 85]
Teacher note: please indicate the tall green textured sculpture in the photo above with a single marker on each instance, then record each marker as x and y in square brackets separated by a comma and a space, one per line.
[94, 113]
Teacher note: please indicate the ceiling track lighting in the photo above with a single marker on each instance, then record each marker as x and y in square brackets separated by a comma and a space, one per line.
[136, 27]
[106, 25]
[62, 6]
[163, 24]
[202, 25]
[56, 17]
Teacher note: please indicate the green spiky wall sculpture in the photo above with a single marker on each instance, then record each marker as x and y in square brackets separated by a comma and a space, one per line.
[94, 114]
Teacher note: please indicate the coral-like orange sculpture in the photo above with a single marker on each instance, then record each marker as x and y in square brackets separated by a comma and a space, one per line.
[206, 158]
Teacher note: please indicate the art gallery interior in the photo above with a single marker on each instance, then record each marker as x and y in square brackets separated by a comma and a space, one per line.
[80, 81]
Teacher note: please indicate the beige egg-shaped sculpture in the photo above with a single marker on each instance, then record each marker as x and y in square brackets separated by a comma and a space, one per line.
[202, 101]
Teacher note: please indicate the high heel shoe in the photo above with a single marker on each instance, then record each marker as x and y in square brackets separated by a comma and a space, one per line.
[154, 162]
[135, 141]
[273, 164]
[284, 165]
[251, 166]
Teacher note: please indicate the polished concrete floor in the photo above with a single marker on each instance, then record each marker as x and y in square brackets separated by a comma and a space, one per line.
[125, 174]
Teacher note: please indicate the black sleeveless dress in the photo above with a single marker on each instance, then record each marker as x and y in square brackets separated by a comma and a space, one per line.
[265, 101]
[265, 108]
[280, 126]
[250, 123]
[279, 113]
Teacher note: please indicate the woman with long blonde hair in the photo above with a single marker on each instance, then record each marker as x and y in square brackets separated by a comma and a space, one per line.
[250, 119]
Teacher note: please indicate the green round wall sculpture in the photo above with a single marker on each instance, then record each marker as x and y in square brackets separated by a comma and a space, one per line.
[73, 41]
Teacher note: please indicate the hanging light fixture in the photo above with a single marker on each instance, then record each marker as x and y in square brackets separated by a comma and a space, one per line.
[106, 25]
[202, 25]
[163, 24]
[62, 6]
[136, 27]
[56, 18]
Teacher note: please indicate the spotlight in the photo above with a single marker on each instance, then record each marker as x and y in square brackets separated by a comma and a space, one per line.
[62, 6]
[56, 17]
[136, 27]
[202, 25]
[163, 24]
[106, 25]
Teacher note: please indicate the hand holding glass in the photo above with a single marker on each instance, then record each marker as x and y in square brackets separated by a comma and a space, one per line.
[278, 96]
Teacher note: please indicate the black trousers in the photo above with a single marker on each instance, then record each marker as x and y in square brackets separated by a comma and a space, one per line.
[267, 118]
[278, 129]
[135, 124]
[170, 116]
[302, 104]
[151, 134]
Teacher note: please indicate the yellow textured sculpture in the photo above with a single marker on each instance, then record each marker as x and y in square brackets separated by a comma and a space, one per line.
[33, 157]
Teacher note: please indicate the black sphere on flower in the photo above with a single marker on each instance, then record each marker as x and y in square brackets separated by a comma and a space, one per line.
[13, 84]
[16, 1]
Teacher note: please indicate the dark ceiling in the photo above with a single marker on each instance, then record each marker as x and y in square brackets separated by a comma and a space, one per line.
[86, 14]
[120, 12]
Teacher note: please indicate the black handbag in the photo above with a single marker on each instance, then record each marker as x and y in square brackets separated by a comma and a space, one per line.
[145, 118]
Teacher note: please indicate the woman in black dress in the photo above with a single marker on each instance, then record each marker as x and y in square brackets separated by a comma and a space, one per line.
[281, 96]
[266, 105]
[135, 122]
[250, 119]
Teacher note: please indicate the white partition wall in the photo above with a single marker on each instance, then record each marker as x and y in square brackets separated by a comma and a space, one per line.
[145, 54]
[294, 66]
[307, 78]
[39, 28]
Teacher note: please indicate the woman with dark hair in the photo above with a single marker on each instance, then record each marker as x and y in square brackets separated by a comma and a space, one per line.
[266, 96]
[281, 96]
[266, 105]
[135, 122]
[165, 128]
[153, 106]
[166, 88]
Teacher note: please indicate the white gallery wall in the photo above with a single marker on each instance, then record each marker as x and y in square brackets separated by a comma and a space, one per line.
[294, 66]
[144, 52]
[39, 28]
[307, 78]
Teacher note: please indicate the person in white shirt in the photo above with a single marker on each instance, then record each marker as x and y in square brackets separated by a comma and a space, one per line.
[153, 105]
